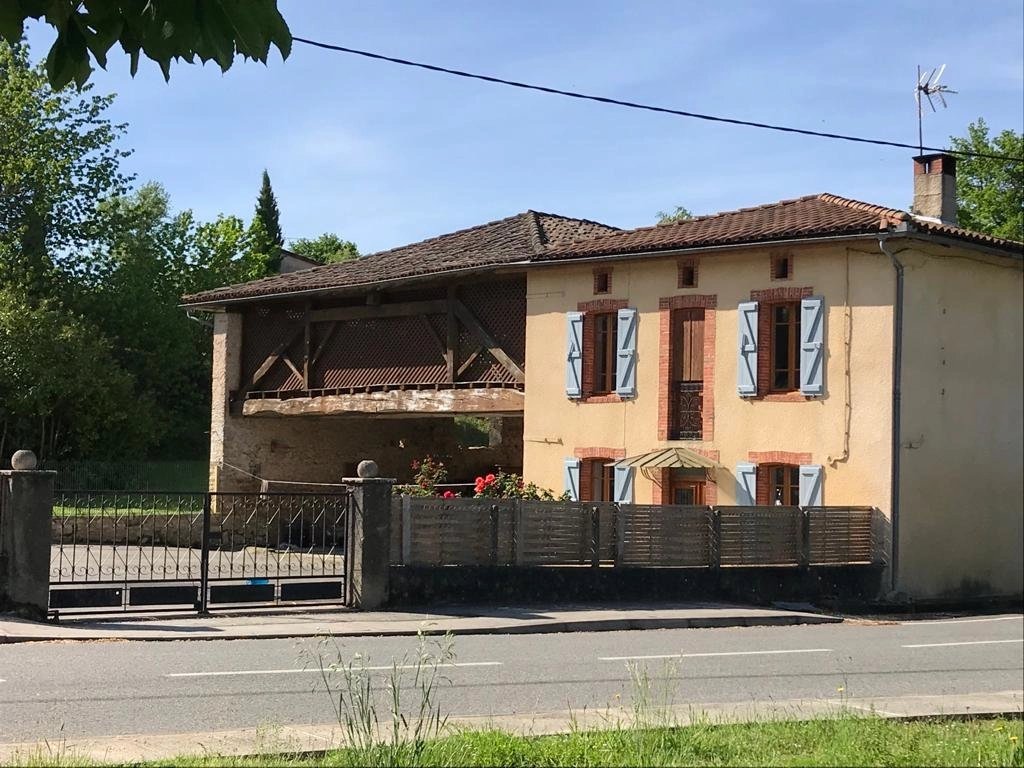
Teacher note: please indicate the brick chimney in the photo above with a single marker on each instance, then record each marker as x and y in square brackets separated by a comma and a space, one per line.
[935, 187]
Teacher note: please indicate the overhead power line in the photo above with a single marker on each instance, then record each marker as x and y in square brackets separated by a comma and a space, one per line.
[646, 107]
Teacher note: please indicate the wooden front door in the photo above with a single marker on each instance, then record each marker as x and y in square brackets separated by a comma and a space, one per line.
[687, 491]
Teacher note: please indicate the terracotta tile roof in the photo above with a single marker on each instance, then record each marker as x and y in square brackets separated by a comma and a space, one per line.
[540, 237]
[823, 215]
[515, 239]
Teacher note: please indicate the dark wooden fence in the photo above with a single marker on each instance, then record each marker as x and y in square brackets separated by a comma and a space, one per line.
[508, 532]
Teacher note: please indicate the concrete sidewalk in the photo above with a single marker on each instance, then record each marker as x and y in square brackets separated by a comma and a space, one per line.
[319, 737]
[461, 620]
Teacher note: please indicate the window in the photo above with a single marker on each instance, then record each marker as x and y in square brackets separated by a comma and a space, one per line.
[686, 403]
[785, 347]
[783, 484]
[601, 485]
[782, 267]
[605, 342]
[602, 281]
[687, 274]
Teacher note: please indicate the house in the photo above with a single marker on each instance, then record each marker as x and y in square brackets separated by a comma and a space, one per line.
[811, 351]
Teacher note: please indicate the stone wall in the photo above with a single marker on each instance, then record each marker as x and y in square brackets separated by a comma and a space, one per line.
[324, 450]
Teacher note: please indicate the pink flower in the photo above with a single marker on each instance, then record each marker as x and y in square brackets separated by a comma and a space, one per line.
[448, 495]
[489, 479]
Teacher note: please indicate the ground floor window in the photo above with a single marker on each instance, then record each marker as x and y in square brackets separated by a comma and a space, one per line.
[598, 480]
[782, 485]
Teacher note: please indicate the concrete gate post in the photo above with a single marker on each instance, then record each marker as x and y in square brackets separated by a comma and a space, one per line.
[370, 548]
[26, 507]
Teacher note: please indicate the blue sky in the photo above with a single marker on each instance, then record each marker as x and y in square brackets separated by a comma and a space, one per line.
[385, 155]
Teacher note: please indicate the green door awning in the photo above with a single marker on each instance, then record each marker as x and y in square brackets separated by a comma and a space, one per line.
[667, 458]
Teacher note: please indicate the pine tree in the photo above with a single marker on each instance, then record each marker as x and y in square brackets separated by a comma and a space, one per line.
[269, 216]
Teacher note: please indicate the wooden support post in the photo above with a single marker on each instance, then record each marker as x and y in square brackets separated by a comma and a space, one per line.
[305, 348]
[469, 320]
[452, 335]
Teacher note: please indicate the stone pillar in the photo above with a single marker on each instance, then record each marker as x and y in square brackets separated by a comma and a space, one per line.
[226, 378]
[370, 548]
[26, 507]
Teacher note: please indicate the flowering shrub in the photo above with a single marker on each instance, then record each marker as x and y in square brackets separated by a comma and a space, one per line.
[507, 485]
[429, 473]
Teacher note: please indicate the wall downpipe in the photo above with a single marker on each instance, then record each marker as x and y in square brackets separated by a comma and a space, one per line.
[897, 360]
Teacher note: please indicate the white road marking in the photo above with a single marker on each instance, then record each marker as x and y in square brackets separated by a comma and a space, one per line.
[388, 668]
[719, 653]
[971, 642]
[962, 621]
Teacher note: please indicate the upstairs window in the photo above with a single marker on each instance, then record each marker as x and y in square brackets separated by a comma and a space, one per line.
[605, 343]
[785, 346]
[602, 281]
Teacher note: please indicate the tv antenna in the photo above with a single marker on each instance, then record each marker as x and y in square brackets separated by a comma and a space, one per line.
[928, 86]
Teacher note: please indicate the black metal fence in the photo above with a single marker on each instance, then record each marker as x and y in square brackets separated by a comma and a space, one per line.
[124, 550]
[509, 532]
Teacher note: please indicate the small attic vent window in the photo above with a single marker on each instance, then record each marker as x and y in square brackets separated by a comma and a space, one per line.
[602, 281]
[687, 274]
[782, 267]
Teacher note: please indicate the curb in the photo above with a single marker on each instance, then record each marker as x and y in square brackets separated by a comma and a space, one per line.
[517, 628]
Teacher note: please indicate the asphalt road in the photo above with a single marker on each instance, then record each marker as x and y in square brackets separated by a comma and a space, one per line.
[81, 689]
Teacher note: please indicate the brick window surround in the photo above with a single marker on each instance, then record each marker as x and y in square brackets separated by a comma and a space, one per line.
[765, 299]
[662, 487]
[763, 459]
[586, 457]
[707, 302]
[589, 309]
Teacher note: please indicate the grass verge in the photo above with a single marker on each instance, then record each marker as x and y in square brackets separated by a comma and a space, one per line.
[844, 740]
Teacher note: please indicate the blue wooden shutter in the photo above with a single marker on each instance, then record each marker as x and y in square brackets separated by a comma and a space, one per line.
[623, 485]
[574, 358]
[812, 345]
[572, 478]
[625, 361]
[746, 363]
[810, 485]
[746, 484]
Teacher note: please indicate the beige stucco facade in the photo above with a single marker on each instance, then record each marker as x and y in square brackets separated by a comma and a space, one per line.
[858, 289]
[961, 450]
[961, 497]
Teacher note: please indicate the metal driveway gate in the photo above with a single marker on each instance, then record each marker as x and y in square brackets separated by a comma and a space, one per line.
[121, 550]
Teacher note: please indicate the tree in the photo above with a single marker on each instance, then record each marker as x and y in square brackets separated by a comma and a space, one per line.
[60, 159]
[990, 192]
[163, 30]
[679, 214]
[327, 249]
[265, 237]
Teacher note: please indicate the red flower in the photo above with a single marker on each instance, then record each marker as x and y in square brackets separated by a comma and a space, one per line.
[489, 479]
[448, 495]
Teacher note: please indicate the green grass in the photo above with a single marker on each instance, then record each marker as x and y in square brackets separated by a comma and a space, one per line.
[838, 741]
